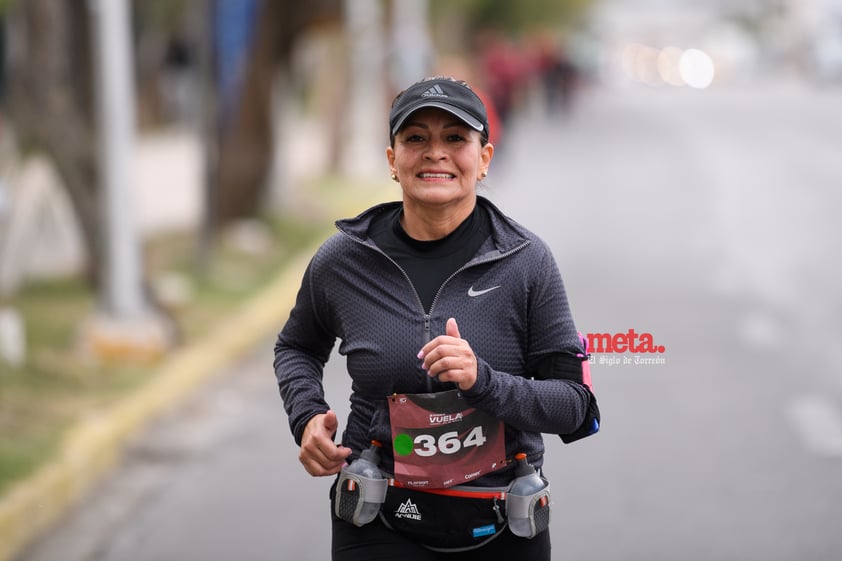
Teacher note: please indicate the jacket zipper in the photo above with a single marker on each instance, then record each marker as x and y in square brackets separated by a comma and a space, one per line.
[428, 336]
[393, 262]
[474, 264]
[428, 316]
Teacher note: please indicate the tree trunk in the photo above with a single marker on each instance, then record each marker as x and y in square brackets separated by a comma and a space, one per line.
[246, 136]
[246, 144]
[51, 103]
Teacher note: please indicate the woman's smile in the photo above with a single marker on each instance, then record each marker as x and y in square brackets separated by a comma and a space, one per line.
[436, 175]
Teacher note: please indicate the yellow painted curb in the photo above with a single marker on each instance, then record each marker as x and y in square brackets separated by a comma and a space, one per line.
[93, 446]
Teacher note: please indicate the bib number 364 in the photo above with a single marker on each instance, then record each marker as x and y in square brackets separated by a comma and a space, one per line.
[447, 443]
[439, 441]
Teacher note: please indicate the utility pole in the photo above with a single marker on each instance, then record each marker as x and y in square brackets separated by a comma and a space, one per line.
[209, 131]
[365, 117]
[125, 324]
[412, 55]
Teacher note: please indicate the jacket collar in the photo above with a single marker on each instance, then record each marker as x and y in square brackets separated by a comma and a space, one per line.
[506, 234]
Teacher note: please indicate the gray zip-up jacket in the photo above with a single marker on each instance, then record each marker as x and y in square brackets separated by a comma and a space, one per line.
[510, 304]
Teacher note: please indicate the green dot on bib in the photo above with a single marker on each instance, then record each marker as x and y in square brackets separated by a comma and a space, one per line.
[403, 445]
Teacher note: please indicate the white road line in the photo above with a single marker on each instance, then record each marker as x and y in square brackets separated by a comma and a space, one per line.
[819, 424]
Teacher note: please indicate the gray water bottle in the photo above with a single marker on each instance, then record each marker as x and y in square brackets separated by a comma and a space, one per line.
[528, 500]
[361, 488]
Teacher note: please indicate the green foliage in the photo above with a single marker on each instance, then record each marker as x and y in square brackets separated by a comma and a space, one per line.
[511, 16]
[162, 14]
[21, 455]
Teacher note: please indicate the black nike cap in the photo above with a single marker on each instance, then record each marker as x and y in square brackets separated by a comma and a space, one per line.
[443, 93]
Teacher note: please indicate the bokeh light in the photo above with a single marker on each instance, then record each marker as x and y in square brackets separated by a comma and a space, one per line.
[696, 68]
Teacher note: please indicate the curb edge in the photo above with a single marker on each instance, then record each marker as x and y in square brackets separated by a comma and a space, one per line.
[93, 445]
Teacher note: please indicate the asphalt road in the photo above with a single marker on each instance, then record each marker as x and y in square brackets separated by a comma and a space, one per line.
[705, 219]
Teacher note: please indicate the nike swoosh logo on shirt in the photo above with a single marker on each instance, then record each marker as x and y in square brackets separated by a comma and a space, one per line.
[472, 293]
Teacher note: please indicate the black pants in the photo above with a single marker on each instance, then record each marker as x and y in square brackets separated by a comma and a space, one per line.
[376, 542]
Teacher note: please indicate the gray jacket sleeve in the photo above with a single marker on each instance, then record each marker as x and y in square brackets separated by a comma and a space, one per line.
[301, 351]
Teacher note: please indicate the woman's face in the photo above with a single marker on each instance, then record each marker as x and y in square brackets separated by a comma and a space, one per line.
[438, 159]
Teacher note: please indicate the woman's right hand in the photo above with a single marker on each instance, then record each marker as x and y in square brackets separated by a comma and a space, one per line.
[319, 454]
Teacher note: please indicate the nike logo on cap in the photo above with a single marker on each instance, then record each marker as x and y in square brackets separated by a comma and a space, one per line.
[472, 293]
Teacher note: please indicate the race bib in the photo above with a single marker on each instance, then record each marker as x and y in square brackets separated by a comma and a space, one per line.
[439, 441]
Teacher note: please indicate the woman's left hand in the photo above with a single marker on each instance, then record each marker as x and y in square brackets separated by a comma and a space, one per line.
[449, 358]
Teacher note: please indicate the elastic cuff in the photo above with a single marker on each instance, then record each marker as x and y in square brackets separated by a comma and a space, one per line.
[482, 383]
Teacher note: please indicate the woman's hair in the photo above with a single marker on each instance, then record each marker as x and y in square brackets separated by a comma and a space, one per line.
[483, 133]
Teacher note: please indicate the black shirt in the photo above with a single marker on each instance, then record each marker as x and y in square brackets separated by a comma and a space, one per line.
[430, 263]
